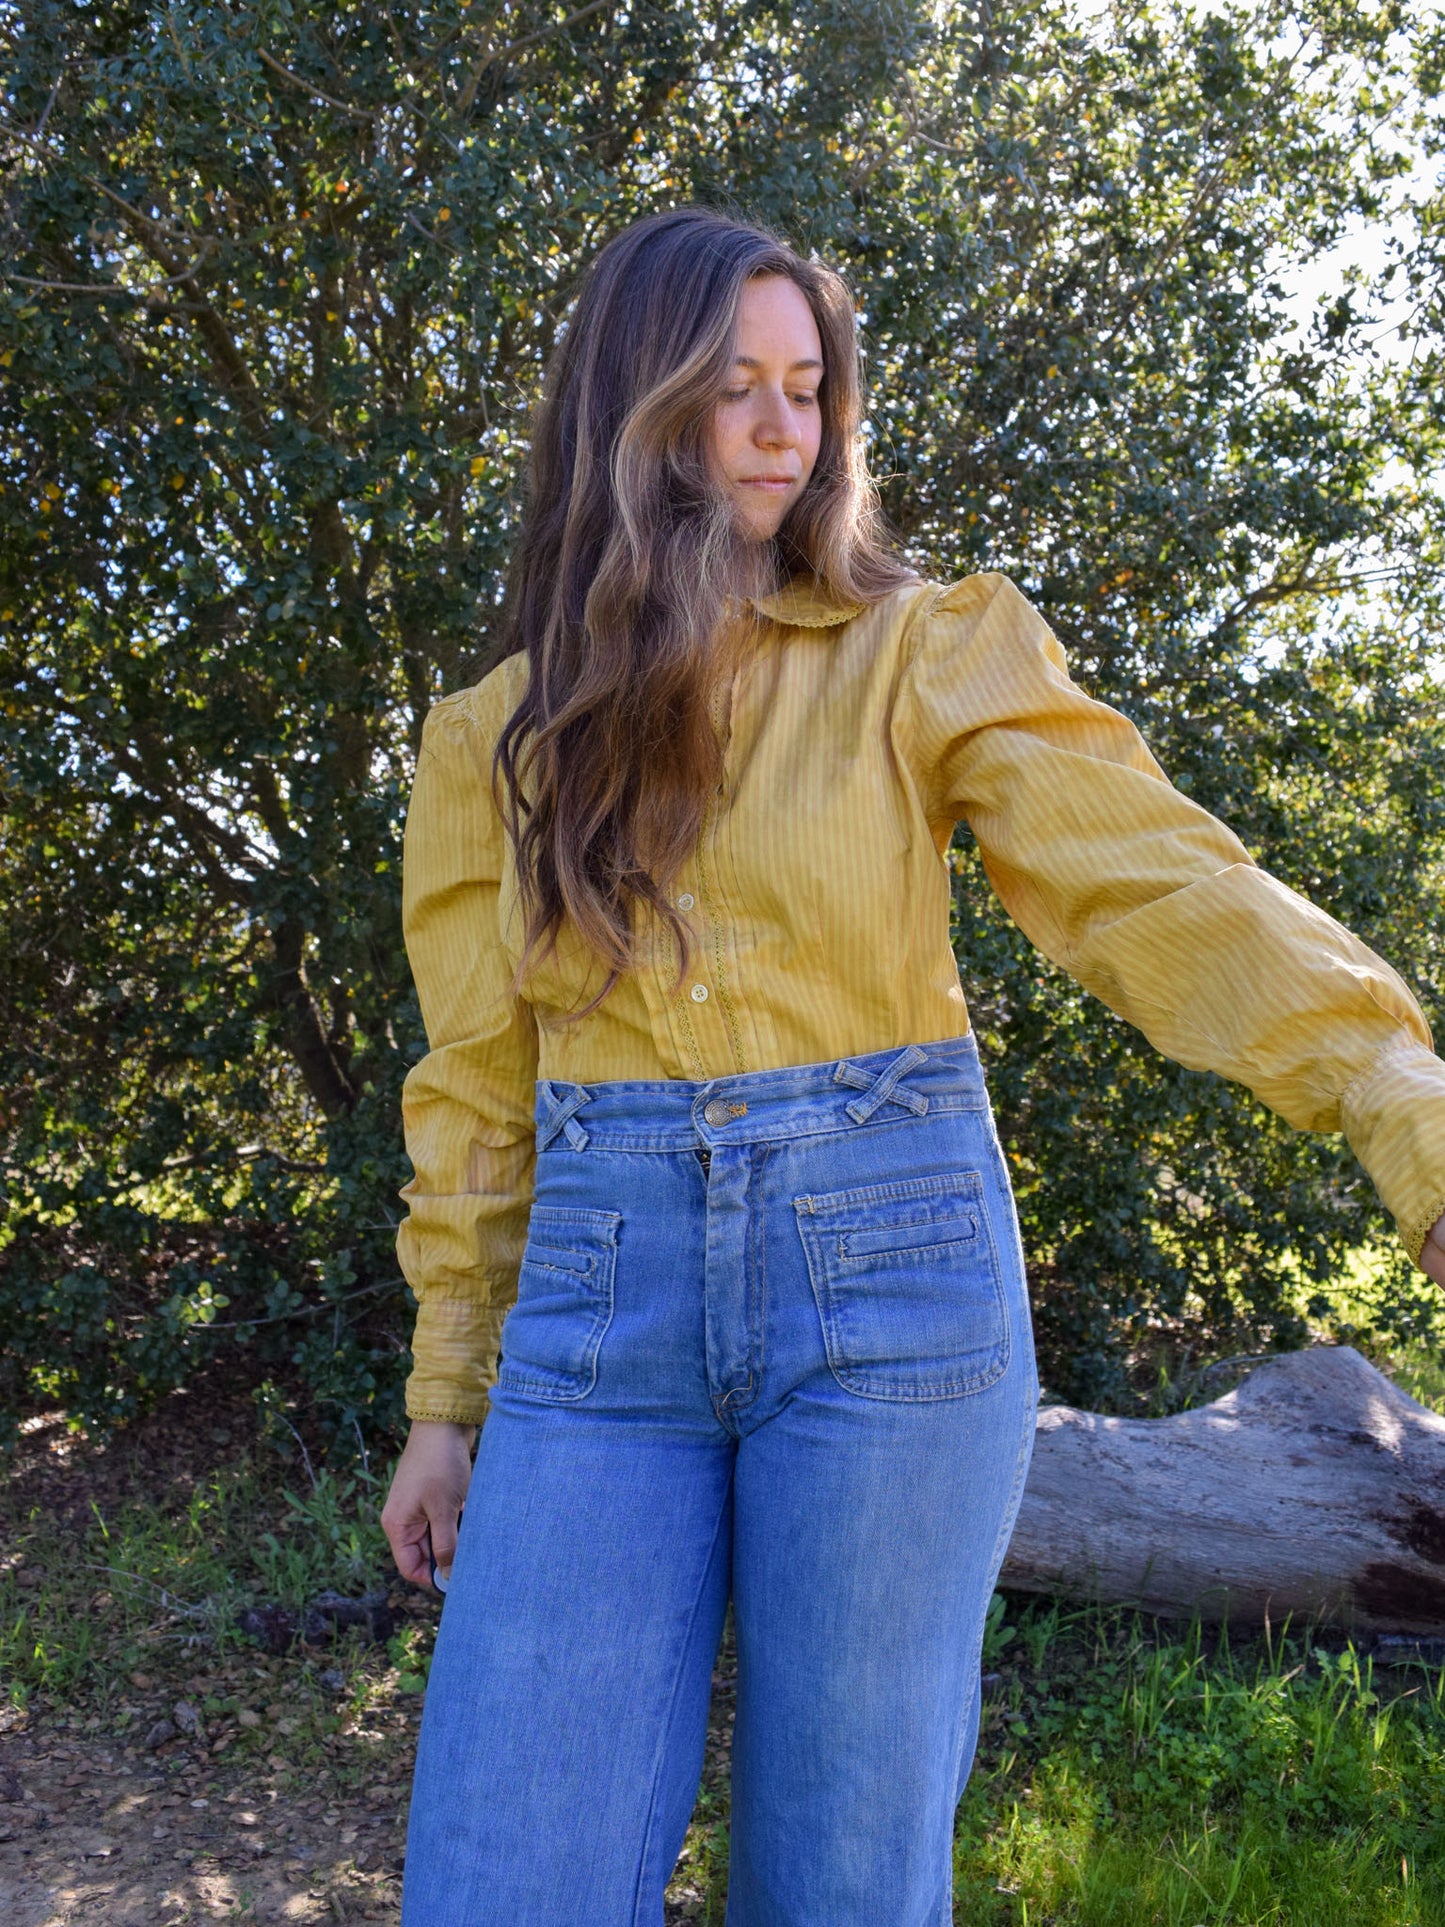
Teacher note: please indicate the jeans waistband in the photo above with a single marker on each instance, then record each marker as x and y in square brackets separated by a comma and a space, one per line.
[796, 1100]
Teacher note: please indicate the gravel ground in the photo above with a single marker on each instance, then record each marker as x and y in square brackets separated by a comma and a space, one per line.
[95, 1832]
[176, 1777]
[87, 1834]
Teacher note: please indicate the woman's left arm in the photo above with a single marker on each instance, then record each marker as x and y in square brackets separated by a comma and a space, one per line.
[1157, 907]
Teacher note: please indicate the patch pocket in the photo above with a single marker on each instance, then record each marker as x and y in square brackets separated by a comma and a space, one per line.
[908, 1286]
[552, 1334]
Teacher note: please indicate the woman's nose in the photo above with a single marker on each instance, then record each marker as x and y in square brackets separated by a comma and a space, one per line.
[775, 427]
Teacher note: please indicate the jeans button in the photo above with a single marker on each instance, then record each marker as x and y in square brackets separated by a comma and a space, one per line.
[717, 1110]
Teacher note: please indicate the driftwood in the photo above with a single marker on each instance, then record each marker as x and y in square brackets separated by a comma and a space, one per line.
[1316, 1488]
[329, 1614]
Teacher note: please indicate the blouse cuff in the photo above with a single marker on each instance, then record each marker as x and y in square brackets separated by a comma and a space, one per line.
[454, 1359]
[1394, 1117]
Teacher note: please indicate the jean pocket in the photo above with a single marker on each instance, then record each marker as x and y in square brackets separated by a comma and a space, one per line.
[552, 1334]
[908, 1286]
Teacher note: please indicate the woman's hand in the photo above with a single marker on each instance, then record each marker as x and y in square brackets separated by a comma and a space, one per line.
[427, 1496]
[1432, 1258]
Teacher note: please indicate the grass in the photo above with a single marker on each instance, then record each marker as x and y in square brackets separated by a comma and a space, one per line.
[119, 1590]
[1130, 1772]
[1133, 1773]
[137, 1577]
[1138, 1773]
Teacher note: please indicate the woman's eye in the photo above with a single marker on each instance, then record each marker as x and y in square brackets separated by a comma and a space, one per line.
[805, 401]
[735, 394]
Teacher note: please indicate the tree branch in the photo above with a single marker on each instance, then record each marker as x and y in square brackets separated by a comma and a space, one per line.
[107, 288]
[232, 371]
[243, 1154]
[269, 806]
[321, 1064]
[1281, 588]
[493, 54]
[306, 86]
[143, 764]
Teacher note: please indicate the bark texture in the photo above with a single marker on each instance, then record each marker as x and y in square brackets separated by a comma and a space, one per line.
[1315, 1488]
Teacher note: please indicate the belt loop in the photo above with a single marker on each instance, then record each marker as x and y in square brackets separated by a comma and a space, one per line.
[563, 1116]
[883, 1089]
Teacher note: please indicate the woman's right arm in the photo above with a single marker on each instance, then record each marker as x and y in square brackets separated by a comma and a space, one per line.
[467, 1108]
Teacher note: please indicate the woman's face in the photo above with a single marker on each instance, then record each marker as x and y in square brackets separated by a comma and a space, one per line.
[767, 427]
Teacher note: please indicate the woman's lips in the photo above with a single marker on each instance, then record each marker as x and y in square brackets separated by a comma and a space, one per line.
[770, 484]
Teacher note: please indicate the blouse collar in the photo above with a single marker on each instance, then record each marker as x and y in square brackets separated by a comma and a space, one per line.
[806, 604]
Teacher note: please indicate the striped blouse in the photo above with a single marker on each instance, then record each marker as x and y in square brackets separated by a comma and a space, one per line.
[819, 897]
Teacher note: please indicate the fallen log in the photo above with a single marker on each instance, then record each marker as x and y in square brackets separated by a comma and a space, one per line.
[1316, 1489]
[329, 1614]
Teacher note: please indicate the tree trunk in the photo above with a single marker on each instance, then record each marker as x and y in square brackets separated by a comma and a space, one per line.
[322, 1064]
[1315, 1488]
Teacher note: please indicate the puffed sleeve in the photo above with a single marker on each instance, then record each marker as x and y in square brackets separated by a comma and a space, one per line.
[467, 1106]
[1156, 907]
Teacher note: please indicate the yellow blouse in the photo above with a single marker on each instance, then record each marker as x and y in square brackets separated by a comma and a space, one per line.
[819, 894]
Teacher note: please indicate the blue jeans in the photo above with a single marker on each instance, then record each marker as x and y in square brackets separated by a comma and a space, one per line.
[771, 1342]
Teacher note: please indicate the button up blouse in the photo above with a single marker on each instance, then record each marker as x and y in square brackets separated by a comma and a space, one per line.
[856, 738]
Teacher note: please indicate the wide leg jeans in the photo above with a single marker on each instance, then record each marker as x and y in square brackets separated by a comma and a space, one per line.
[771, 1343]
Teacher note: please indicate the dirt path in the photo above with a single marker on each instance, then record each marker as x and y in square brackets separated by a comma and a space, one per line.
[98, 1832]
[89, 1834]
[151, 1772]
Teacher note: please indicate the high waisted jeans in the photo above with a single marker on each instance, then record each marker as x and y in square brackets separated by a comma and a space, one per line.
[771, 1342]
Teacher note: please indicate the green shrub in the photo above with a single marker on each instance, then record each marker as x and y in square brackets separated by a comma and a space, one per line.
[280, 282]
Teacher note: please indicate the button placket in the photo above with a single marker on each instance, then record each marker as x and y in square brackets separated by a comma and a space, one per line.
[717, 930]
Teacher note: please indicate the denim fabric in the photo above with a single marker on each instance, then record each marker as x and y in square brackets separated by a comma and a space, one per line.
[771, 1342]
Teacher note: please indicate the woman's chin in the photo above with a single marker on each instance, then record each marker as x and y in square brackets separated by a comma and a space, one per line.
[760, 521]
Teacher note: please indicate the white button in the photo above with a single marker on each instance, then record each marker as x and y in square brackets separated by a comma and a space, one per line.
[686, 900]
[699, 993]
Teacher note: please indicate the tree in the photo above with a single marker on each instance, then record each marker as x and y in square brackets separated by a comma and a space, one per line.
[281, 283]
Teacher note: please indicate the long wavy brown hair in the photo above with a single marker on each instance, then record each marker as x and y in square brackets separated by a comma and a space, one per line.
[631, 562]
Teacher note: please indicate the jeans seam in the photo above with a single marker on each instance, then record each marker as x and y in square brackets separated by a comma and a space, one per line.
[762, 1237]
[1000, 1551]
[1028, 1351]
[667, 1725]
[788, 1131]
[1015, 1498]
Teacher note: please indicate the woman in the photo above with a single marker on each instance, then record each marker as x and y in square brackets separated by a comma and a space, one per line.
[701, 1097]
